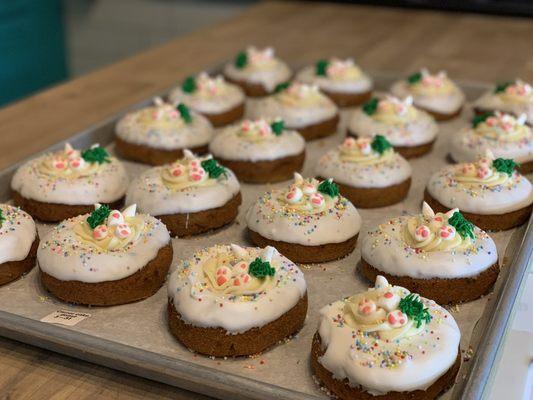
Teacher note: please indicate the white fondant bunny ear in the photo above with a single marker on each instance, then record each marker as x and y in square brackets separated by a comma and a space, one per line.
[130, 211]
[68, 148]
[95, 145]
[298, 178]
[427, 211]
[450, 213]
[267, 253]
[268, 52]
[158, 101]
[238, 251]
[521, 120]
[408, 101]
[442, 74]
[97, 206]
[424, 71]
[189, 155]
[489, 154]
[381, 282]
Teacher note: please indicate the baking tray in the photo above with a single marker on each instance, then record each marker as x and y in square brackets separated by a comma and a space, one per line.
[134, 338]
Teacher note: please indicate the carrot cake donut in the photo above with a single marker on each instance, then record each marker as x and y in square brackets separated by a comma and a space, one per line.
[158, 134]
[105, 258]
[368, 171]
[514, 97]
[66, 183]
[442, 256]
[489, 192]
[437, 94]
[386, 343]
[303, 108]
[191, 196]
[504, 135]
[18, 243]
[222, 103]
[228, 301]
[341, 80]
[411, 131]
[257, 72]
[309, 222]
[260, 151]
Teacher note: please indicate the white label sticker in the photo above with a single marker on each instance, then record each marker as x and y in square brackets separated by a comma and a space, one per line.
[64, 317]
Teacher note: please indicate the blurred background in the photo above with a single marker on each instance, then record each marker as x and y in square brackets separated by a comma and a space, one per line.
[47, 41]
[43, 42]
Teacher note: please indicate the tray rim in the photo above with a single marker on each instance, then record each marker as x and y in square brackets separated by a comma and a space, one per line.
[204, 379]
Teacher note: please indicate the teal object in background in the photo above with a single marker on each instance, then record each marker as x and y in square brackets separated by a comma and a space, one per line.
[32, 47]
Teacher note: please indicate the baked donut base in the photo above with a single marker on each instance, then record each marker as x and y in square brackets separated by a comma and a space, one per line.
[250, 89]
[344, 391]
[487, 222]
[319, 130]
[265, 171]
[443, 291]
[226, 117]
[307, 254]
[347, 99]
[12, 270]
[188, 224]
[406, 151]
[375, 197]
[138, 286]
[150, 155]
[218, 342]
[53, 212]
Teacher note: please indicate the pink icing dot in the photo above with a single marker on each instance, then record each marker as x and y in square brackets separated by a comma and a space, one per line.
[388, 295]
[391, 319]
[237, 282]
[177, 172]
[221, 280]
[196, 177]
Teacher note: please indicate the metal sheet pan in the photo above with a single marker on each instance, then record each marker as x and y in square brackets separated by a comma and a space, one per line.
[134, 338]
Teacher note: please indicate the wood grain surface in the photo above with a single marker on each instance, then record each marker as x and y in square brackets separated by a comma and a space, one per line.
[469, 47]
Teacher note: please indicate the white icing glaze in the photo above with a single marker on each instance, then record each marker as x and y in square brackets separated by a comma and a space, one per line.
[379, 366]
[159, 191]
[262, 68]
[479, 197]
[504, 135]
[436, 93]
[160, 126]
[517, 99]
[70, 253]
[370, 171]
[255, 141]
[408, 127]
[342, 76]
[392, 247]
[51, 179]
[201, 302]
[299, 106]
[17, 234]
[212, 96]
[290, 215]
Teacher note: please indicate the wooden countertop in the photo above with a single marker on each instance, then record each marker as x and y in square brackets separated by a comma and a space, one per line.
[469, 47]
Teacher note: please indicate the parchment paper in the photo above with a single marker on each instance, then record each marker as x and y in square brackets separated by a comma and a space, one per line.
[143, 324]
